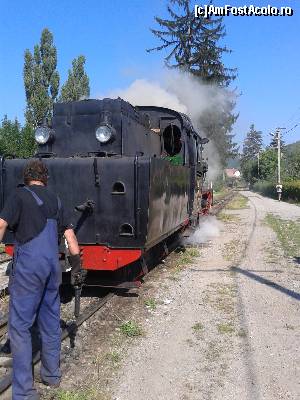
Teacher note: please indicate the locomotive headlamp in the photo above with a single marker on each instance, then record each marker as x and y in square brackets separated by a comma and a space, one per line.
[105, 133]
[42, 134]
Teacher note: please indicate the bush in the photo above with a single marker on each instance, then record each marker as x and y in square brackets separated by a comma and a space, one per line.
[290, 190]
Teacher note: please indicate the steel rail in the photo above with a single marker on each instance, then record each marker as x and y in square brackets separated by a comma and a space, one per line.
[69, 331]
[71, 328]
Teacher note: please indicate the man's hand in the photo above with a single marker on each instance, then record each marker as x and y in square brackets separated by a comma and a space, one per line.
[75, 263]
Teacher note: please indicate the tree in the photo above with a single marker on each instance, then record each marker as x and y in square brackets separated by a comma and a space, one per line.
[41, 79]
[253, 144]
[274, 142]
[268, 165]
[77, 84]
[193, 45]
[291, 166]
[16, 141]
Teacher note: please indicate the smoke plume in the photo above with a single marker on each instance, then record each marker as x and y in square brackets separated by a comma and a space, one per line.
[181, 92]
[209, 228]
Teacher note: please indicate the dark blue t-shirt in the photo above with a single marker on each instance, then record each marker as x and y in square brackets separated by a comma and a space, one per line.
[26, 218]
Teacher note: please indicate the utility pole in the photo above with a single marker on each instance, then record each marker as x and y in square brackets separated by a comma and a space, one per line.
[277, 135]
[258, 165]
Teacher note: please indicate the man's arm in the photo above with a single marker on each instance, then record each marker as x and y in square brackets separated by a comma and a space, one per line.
[3, 226]
[72, 242]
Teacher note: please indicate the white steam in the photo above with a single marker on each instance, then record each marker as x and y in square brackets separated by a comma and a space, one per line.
[184, 93]
[209, 228]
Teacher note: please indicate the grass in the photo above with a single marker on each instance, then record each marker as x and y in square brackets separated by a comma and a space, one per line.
[228, 217]
[238, 203]
[225, 328]
[231, 249]
[150, 303]
[193, 252]
[187, 256]
[242, 333]
[74, 395]
[131, 329]
[184, 258]
[272, 253]
[288, 234]
[221, 193]
[198, 327]
[113, 356]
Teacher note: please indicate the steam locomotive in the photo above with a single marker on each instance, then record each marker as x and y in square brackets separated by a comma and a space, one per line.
[131, 177]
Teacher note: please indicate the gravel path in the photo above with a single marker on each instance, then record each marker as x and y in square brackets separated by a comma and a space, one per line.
[228, 326]
[225, 326]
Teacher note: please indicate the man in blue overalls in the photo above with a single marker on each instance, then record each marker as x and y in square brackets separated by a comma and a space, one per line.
[35, 215]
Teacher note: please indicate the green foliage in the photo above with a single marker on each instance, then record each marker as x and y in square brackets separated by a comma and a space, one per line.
[198, 326]
[288, 233]
[193, 46]
[77, 84]
[41, 80]
[250, 171]
[252, 144]
[225, 328]
[291, 166]
[290, 189]
[268, 165]
[75, 395]
[150, 303]
[131, 329]
[15, 140]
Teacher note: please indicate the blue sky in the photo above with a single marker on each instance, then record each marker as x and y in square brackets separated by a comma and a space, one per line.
[113, 35]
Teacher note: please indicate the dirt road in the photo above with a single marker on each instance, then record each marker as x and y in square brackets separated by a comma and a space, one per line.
[226, 326]
[220, 321]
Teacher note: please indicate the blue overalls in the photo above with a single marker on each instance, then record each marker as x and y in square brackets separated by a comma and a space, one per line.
[34, 295]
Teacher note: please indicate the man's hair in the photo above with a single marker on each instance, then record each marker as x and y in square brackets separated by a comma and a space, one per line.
[35, 170]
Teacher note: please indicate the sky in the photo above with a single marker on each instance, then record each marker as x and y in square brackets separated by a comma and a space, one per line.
[113, 36]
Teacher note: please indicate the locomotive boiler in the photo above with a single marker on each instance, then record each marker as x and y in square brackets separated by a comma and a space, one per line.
[130, 177]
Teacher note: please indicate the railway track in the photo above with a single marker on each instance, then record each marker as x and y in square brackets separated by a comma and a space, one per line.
[68, 332]
[71, 327]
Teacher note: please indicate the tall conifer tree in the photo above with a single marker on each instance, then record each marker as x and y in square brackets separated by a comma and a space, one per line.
[193, 45]
[253, 144]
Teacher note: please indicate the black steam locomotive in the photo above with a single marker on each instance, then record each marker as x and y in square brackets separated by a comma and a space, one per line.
[131, 177]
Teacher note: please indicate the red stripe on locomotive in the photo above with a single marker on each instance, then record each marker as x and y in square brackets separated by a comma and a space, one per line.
[107, 259]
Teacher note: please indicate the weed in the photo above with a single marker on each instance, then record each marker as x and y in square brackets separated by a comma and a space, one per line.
[184, 258]
[72, 395]
[193, 252]
[113, 356]
[198, 326]
[239, 202]
[228, 217]
[242, 333]
[150, 303]
[225, 328]
[231, 249]
[213, 352]
[288, 234]
[131, 329]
